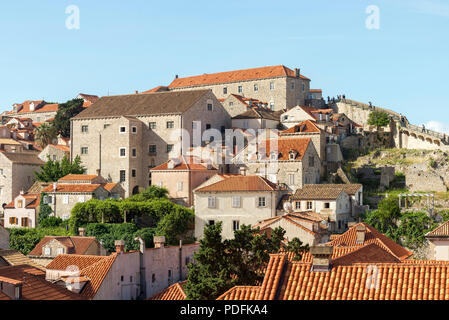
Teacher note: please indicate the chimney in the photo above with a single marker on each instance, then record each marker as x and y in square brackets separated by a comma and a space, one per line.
[176, 77]
[119, 246]
[82, 232]
[159, 242]
[99, 172]
[142, 244]
[322, 256]
[360, 234]
[297, 72]
[137, 92]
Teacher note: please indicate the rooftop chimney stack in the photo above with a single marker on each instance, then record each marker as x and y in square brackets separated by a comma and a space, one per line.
[142, 244]
[137, 91]
[159, 242]
[82, 232]
[360, 234]
[176, 77]
[119, 246]
[298, 72]
[322, 257]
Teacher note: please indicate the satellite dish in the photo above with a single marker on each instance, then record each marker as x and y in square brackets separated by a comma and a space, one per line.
[288, 206]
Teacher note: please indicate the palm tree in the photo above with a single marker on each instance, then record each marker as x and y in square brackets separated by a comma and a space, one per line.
[45, 134]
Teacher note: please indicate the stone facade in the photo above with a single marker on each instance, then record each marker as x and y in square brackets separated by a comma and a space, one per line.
[4, 239]
[127, 146]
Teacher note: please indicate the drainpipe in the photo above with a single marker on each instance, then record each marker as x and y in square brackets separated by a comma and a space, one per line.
[143, 285]
[180, 260]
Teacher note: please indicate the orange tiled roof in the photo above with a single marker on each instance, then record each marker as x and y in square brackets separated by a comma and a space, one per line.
[96, 273]
[73, 188]
[303, 127]
[36, 199]
[240, 293]
[156, 89]
[291, 218]
[62, 261]
[371, 235]
[240, 183]
[74, 245]
[60, 147]
[48, 108]
[440, 231]
[284, 146]
[34, 285]
[287, 280]
[316, 90]
[174, 292]
[184, 163]
[110, 186]
[234, 76]
[79, 177]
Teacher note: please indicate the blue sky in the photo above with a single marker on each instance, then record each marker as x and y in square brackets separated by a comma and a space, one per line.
[139, 44]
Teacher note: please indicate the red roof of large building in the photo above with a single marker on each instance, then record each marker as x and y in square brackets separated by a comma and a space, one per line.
[184, 163]
[239, 183]
[283, 147]
[235, 76]
[74, 245]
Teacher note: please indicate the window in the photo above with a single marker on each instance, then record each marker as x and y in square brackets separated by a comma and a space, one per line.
[309, 205]
[170, 124]
[194, 125]
[208, 126]
[209, 107]
[84, 129]
[235, 225]
[152, 149]
[180, 186]
[152, 125]
[122, 278]
[13, 220]
[47, 251]
[1, 172]
[169, 276]
[272, 106]
[225, 90]
[262, 202]
[169, 148]
[130, 278]
[19, 203]
[54, 157]
[292, 86]
[134, 130]
[236, 200]
[153, 278]
[122, 129]
[303, 87]
[291, 178]
[256, 87]
[134, 153]
[106, 125]
[49, 200]
[122, 175]
[211, 202]
[60, 251]
[240, 89]
[133, 173]
[65, 200]
[271, 85]
[211, 222]
[298, 205]
[327, 205]
[311, 162]
[231, 104]
[84, 150]
[25, 222]
[122, 152]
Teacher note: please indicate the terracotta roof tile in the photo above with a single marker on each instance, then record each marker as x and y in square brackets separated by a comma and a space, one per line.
[184, 163]
[73, 188]
[174, 292]
[240, 293]
[440, 231]
[15, 258]
[240, 183]
[79, 177]
[325, 191]
[62, 261]
[35, 287]
[303, 127]
[284, 146]
[74, 245]
[349, 238]
[234, 76]
[96, 273]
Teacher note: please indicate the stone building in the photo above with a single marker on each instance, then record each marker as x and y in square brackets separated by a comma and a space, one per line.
[72, 189]
[257, 119]
[236, 104]
[37, 111]
[52, 246]
[123, 275]
[235, 200]
[126, 136]
[180, 176]
[281, 87]
[439, 242]
[23, 211]
[16, 173]
[335, 203]
[290, 161]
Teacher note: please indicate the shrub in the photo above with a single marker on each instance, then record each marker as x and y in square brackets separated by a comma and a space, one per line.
[51, 222]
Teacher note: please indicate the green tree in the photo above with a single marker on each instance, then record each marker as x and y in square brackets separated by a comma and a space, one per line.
[385, 217]
[150, 193]
[45, 134]
[175, 224]
[412, 228]
[66, 111]
[297, 247]
[52, 170]
[44, 209]
[209, 276]
[378, 119]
